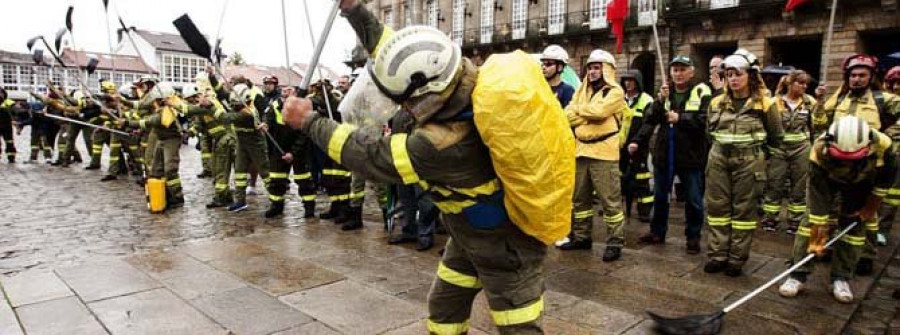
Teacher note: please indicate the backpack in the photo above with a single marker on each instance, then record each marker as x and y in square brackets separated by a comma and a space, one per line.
[530, 143]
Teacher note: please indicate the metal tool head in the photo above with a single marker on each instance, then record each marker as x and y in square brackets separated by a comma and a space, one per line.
[700, 324]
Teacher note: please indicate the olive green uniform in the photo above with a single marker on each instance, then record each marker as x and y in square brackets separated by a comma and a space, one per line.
[165, 159]
[250, 149]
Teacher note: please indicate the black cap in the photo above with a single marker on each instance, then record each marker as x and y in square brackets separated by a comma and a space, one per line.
[682, 59]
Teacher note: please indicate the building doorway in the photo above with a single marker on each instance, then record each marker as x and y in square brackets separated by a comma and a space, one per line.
[882, 44]
[646, 63]
[783, 52]
[702, 53]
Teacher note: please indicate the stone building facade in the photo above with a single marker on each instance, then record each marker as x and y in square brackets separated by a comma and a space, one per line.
[700, 28]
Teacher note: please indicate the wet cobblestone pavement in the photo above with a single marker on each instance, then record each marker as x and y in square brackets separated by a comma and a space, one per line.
[82, 257]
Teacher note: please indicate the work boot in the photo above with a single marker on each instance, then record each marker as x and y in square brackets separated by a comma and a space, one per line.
[842, 291]
[237, 207]
[400, 239]
[175, 203]
[424, 243]
[769, 224]
[792, 228]
[693, 246]
[734, 270]
[612, 253]
[275, 209]
[11, 159]
[78, 158]
[585, 244]
[790, 288]
[109, 177]
[333, 211]
[354, 219]
[864, 267]
[92, 167]
[650, 238]
[204, 174]
[309, 209]
[216, 204]
[714, 266]
[56, 163]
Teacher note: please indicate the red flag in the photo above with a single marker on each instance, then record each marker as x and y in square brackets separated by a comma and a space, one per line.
[792, 4]
[616, 13]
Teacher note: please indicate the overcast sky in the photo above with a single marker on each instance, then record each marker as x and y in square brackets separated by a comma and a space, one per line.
[251, 27]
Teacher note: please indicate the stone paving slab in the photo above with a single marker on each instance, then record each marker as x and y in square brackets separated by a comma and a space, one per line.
[312, 328]
[187, 277]
[107, 279]
[153, 312]
[275, 274]
[352, 308]
[249, 311]
[9, 324]
[34, 286]
[391, 278]
[62, 316]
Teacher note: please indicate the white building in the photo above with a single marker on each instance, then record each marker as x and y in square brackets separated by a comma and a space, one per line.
[166, 53]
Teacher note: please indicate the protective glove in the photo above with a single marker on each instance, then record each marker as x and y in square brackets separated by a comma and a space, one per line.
[818, 237]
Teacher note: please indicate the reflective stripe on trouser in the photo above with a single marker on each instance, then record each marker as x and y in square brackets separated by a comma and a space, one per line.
[823, 196]
[206, 152]
[71, 138]
[635, 186]
[116, 150]
[9, 145]
[150, 150]
[223, 160]
[357, 190]
[251, 150]
[98, 139]
[733, 187]
[280, 173]
[602, 177]
[511, 277]
[165, 165]
[41, 141]
[787, 166]
[336, 180]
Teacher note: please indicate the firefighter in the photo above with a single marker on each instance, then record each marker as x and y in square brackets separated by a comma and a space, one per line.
[852, 165]
[635, 173]
[101, 137]
[742, 122]
[6, 126]
[888, 211]
[892, 80]
[336, 179]
[790, 161]
[78, 101]
[251, 144]
[595, 115]
[679, 113]
[444, 151]
[296, 147]
[859, 95]
[553, 61]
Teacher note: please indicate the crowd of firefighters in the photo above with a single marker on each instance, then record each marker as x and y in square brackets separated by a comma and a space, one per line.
[741, 152]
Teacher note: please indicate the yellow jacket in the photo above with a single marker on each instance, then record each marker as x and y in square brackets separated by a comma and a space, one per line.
[596, 120]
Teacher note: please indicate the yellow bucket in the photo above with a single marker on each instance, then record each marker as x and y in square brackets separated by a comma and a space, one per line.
[156, 195]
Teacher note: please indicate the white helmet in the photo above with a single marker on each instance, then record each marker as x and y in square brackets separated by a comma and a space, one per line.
[555, 52]
[601, 56]
[848, 138]
[742, 60]
[240, 95]
[78, 95]
[415, 61]
[189, 90]
[161, 91]
[125, 90]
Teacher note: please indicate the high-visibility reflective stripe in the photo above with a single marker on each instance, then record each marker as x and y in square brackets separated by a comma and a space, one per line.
[276, 198]
[456, 278]
[385, 35]
[796, 208]
[357, 195]
[803, 231]
[892, 202]
[879, 192]
[487, 188]
[221, 186]
[336, 172]
[173, 182]
[216, 130]
[338, 138]
[771, 208]
[278, 175]
[637, 114]
[795, 137]
[341, 197]
[644, 175]
[646, 200]
[818, 219]
[583, 214]
[453, 207]
[35, 147]
[302, 176]
[206, 156]
[115, 146]
[619, 217]
[729, 138]
[717, 221]
[894, 191]
[240, 176]
[872, 225]
[447, 328]
[240, 183]
[854, 240]
[113, 159]
[743, 225]
[310, 197]
[519, 315]
[401, 159]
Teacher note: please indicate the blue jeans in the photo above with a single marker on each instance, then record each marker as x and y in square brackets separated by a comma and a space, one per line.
[692, 179]
[420, 212]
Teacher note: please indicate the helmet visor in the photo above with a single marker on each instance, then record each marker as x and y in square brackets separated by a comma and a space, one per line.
[367, 107]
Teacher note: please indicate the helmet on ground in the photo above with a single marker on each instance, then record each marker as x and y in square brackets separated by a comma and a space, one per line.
[415, 61]
[240, 95]
[555, 52]
[601, 56]
[189, 90]
[848, 138]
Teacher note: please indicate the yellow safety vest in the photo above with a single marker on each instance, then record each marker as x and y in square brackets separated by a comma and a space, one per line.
[632, 112]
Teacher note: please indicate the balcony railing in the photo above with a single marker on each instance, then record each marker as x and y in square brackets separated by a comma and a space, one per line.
[679, 6]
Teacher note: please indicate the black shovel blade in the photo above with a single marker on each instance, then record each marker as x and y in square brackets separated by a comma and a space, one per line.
[704, 324]
[32, 41]
[58, 41]
[91, 64]
[192, 36]
[38, 56]
[69, 18]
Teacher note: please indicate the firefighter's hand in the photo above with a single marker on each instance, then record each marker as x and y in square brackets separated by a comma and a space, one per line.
[672, 117]
[287, 157]
[818, 237]
[632, 148]
[263, 127]
[121, 123]
[346, 5]
[663, 92]
[296, 111]
[210, 70]
[716, 81]
[820, 91]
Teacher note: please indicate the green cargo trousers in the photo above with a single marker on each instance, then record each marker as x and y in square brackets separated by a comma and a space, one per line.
[165, 165]
[98, 139]
[223, 161]
[504, 261]
[206, 152]
[598, 177]
[71, 148]
[251, 150]
[788, 163]
[822, 194]
[734, 181]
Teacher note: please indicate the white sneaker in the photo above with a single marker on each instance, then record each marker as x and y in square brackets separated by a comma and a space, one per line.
[790, 288]
[882, 239]
[562, 241]
[842, 291]
[251, 190]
